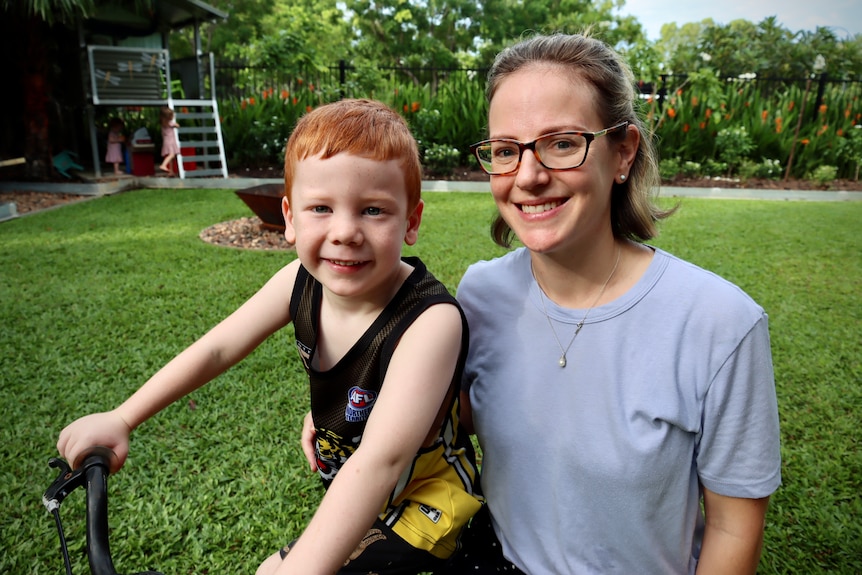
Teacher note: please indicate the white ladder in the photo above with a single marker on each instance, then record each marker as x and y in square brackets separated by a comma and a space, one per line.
[200, 129]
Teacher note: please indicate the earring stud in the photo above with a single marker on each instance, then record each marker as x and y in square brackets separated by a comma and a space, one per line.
[622, 177]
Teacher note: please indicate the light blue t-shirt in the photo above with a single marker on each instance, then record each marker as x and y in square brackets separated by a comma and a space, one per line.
[595, 467]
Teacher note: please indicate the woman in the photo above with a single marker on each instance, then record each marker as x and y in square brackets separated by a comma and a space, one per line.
[614, 388]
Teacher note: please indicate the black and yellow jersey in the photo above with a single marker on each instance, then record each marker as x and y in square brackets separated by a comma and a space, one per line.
[436, 495]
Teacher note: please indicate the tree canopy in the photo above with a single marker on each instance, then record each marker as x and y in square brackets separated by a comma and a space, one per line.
[468, 33]
[764, 49]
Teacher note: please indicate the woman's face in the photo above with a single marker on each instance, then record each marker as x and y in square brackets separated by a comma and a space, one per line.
[553, 212]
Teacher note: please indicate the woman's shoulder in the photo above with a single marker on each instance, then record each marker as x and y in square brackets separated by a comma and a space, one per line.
[492, 281]
[513, 260]
[686, 281]
[504, 272]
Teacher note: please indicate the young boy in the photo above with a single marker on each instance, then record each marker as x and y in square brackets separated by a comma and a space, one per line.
[382, 341]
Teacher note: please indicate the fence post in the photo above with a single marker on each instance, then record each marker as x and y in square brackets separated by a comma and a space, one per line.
[821, 87]
[342, 77]
[662, 92]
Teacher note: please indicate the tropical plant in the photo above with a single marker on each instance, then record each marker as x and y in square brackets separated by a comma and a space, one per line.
[850, 149]
[256, 128]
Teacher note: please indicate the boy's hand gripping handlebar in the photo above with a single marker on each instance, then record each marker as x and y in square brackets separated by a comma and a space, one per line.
[93, 474]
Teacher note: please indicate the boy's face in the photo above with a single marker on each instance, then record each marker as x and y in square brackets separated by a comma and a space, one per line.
[348, 218]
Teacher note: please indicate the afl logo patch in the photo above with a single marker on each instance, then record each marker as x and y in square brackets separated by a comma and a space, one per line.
[359, 404]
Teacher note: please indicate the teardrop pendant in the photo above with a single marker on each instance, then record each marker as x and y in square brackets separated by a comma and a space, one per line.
[562, 361]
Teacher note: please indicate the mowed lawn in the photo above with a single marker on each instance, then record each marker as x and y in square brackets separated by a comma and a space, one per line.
[96, 296]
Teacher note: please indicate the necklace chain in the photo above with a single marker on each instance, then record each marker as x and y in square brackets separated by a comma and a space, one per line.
[580, 324]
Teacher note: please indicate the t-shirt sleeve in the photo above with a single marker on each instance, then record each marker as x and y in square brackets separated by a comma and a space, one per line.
[738, 449]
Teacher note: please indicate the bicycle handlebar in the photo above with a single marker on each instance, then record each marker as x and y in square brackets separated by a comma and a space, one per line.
[94, 474]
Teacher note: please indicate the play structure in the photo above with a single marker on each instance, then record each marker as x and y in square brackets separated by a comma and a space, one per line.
[140, 76]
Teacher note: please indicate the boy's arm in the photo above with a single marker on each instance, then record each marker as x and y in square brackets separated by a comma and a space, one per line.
[417, 382]
[222, 347]
[733, 535]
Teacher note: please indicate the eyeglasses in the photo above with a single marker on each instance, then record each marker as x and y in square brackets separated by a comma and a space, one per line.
[556, 151]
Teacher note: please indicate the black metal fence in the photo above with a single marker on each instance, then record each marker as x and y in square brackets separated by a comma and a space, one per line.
[237, 80]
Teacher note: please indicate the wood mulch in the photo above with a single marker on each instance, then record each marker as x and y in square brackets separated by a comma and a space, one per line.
[244, 233]
[27, 201]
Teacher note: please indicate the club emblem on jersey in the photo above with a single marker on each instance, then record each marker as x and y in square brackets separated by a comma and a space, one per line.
[359, 404]
[332, 451]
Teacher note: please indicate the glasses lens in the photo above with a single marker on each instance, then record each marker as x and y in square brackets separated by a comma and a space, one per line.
[562, 151]
[498, 156]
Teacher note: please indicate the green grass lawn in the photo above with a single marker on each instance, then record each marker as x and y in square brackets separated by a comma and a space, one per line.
[96, 296]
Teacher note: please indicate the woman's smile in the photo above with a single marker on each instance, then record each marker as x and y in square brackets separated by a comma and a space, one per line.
[540, 208]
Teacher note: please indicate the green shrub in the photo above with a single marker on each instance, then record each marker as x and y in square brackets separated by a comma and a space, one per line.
[713, 168]
[691, 169]
[824, 175]
[767, 169]
[440, 159]
[669, 168]
[734, 145]
[425, 125]
[747, 169]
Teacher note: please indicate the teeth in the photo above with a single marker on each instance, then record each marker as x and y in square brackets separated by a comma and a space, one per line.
[345, 263]
[538, 209]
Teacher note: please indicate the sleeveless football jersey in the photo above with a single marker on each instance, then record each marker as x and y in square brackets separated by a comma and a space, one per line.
[435, 497]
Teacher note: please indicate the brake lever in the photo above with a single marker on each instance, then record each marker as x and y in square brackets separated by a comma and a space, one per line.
[67, 481]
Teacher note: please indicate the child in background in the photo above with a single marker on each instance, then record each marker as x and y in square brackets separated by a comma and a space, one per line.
[382, 341]
[116, 138]
[170, 143]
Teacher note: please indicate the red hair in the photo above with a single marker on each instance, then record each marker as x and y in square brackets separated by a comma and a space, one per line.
[364, 128]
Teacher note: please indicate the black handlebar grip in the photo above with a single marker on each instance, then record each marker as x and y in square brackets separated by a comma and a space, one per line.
[97, 465]
[97, 455]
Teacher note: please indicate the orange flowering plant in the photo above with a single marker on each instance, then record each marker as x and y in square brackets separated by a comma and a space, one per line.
[776, 118]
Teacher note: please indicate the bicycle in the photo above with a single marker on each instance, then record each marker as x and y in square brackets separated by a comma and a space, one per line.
[93, 474]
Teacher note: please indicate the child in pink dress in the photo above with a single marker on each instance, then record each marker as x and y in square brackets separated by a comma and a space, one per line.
[170, 143]
[116, 138]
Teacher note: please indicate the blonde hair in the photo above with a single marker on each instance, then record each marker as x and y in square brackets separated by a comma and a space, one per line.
[365, 128]
[633, 212]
